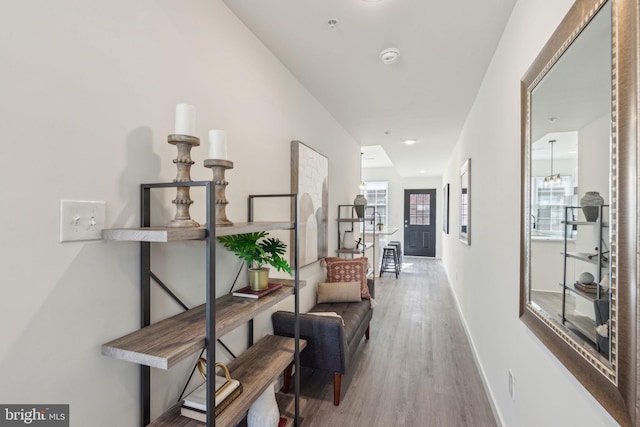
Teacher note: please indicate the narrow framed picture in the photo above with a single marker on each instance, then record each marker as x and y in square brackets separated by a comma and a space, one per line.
[465, 202]
[445, 209]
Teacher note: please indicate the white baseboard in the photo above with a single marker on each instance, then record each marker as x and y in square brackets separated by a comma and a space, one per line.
[483, 377]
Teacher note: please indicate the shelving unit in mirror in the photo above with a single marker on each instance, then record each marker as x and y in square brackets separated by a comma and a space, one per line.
[590, 234]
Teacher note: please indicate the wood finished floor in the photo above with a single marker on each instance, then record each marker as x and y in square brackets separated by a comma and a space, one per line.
[416, 370]
[551, 303]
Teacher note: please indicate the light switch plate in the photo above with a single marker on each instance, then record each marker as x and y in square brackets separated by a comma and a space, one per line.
[81, 220]
[512, 385]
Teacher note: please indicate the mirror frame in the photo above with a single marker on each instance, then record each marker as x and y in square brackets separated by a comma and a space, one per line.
[615, 387]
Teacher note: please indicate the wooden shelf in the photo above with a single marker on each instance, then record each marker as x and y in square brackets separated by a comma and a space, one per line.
[592, 223]
[154, 234]
[583, 294]
[350, 219]
[584, 256]
[355, 251]
[256, 369]
[165, 343]
[170, 234]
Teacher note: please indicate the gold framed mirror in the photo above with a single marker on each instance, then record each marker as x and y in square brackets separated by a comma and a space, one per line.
[579, 227]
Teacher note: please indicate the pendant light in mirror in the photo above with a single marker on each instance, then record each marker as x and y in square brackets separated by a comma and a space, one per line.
[552, 179]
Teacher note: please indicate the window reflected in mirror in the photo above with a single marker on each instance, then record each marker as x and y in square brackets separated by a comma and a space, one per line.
[554, 183]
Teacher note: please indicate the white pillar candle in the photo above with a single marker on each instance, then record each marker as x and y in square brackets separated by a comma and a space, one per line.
[217, 144]
[185, 120]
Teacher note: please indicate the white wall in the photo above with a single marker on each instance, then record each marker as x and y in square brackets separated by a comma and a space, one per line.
[485, 275]
[593, 155]
[88, 99]
[560, 166]
[397, 185]
[547, 264]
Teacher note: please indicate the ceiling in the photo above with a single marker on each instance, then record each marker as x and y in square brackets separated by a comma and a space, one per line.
[445, 49]
[577, 89]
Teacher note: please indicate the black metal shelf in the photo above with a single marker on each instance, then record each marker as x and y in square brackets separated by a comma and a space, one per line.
[146, 234]
[597, 258]
[347, 215]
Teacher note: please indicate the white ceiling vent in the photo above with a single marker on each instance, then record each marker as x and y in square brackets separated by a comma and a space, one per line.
[390, 55]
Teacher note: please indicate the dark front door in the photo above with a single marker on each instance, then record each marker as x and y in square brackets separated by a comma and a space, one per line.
[420, 222]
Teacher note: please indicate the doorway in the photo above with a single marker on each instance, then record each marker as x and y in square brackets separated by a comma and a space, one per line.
[420, 222]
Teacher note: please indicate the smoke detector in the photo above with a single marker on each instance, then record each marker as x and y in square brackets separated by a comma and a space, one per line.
[390, 55]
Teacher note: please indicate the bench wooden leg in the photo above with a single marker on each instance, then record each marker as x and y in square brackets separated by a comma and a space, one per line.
[367, 332]
[337, 384]
[286, 381]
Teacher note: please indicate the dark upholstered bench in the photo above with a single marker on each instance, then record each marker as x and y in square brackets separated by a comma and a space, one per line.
[330, 344]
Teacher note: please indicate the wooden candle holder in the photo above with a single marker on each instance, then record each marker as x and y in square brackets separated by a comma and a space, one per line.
[218, 167]
[183, 163]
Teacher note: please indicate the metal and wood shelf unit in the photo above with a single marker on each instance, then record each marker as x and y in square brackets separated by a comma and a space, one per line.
[167, 342]
[347, 215]
[598, 258]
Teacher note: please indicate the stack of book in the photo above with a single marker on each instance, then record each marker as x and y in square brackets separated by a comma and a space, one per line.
[195, 404]
[247, 292]
[590, 288]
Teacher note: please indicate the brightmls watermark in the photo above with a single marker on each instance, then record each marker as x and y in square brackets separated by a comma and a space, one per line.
[34, 415]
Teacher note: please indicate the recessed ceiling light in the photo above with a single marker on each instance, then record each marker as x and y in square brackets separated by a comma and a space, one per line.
[410, 141]
[332, 23]
[390, 55]
[423, 171]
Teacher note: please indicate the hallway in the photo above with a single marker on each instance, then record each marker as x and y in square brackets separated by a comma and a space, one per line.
[416, 370]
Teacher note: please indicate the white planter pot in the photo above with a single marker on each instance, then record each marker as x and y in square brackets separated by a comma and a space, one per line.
[264, 411]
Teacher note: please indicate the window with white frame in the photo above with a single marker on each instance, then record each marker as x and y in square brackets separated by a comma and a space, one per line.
[549, 201]
[376, 193]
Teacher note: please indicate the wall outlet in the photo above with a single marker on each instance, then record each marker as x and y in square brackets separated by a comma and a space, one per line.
[81, 220]
[512, 385]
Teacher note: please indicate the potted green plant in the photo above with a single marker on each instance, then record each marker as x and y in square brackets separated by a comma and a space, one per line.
[257, 251]
[380, 225]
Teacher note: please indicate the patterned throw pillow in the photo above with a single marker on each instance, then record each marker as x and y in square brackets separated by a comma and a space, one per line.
[349, 270]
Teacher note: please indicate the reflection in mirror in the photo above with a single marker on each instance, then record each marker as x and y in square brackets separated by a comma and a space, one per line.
[570, 157]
